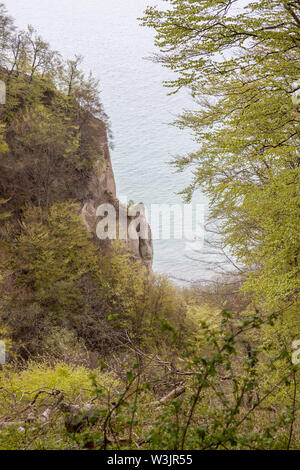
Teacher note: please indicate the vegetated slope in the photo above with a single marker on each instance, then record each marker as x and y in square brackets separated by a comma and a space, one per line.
[94, 340]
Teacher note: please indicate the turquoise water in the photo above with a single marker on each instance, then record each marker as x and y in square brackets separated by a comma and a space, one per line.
[108, 35]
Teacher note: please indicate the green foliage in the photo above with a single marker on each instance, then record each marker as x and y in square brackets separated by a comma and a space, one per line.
[225, 400]
[174, 372]
[72, 381]
[26, 395]
[52, 246]
[56, 279]
[241, 65]
[222, 399]
[50, 135]
[50, 144]
[54, 263]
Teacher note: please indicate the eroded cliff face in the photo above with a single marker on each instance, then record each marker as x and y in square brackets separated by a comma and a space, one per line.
[43, 166]
[102, 186]
[102, 189]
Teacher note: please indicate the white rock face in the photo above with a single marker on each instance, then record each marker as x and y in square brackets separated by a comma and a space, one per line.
[102, 188]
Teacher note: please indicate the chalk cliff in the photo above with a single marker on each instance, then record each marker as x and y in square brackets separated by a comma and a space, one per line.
[102, 189]
[41, 167]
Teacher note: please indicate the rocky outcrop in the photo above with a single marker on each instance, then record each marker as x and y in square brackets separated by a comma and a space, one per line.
[102, 190]
[102, 186]
[139, 236]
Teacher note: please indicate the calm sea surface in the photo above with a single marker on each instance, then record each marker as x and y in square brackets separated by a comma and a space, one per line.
[108, 35]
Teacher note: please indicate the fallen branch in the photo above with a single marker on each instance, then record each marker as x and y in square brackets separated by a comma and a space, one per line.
[179, 390]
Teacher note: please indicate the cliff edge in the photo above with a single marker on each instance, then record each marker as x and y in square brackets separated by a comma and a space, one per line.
[102, 189]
